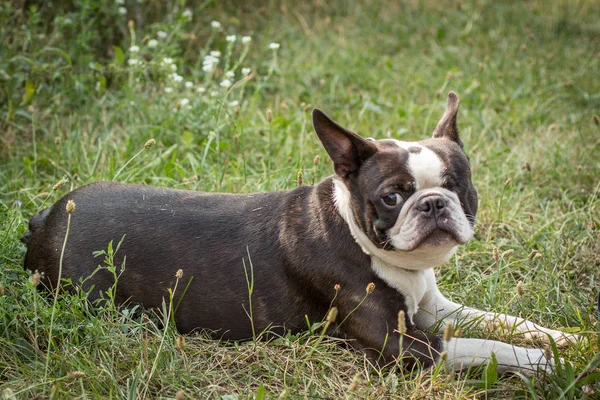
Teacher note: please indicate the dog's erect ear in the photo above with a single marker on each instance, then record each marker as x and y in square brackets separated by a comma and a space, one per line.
[447, 128]
[346, 149]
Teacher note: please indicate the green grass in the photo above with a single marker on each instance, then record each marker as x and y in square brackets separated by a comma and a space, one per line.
[71, 104]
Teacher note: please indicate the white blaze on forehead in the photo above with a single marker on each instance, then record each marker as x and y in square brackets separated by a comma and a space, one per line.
[424, 165]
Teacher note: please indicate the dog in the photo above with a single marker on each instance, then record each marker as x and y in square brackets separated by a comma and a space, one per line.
[391, 213]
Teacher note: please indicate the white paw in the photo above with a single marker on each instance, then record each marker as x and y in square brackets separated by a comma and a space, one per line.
[561, 339]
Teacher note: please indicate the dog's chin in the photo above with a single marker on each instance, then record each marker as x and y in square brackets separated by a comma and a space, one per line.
[436, 238]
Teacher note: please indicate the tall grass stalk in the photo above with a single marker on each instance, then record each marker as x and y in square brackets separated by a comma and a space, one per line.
[70, 210]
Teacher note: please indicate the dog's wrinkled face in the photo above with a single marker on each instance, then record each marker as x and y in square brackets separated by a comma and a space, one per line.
[407, 203]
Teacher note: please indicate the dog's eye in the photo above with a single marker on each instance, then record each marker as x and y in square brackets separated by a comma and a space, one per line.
[450, 183]
[392, 199]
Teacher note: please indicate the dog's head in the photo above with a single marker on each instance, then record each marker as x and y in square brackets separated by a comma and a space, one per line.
[409, 204]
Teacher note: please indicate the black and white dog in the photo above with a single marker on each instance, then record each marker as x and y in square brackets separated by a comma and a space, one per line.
[392, 212]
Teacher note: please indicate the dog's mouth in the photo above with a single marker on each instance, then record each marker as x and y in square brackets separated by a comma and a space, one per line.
[435, 234]
[438, 237]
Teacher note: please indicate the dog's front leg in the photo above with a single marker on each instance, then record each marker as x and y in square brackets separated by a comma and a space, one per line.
[464, 354]
[434, 308]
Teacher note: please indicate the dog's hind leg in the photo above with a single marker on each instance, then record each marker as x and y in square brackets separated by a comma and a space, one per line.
[435, 309]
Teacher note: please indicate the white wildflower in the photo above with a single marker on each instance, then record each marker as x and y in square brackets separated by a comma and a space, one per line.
[189, 84]
[225, 83]
[168, 89]
[173, 67]
[152, 43]
[167, 60]
[215, 24]
[212, 135]
[184, 103]
[122, 10]
[188, 13]
[68, 21]
[274, 46]
[120, 2]
[229, 74]
[214, 93]
[177, 78]
[200, 89]
[134, 49]
[246, 71]
[209, 62]
[246, 39]
[133, 61]
[215, 53]
[230, 38]
[132, 103]
[161, 34]
[234, 103]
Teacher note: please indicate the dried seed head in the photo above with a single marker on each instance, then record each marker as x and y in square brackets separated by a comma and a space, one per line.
[332, 315]
[458, 332]
[548, 353]
[507, 253]
[300, 178]
[269, 113]
[72, 375]
[179, 274]
[149, 143]
[130, 24]
[337, 287]
[444, 355]
[538, 254]
[532, 254]
[520, 290]
[370, 288]
[317, 160]
[401, 322]
[57, 140]
[179, 395]
[495, 255]
[596, 119]
[180, 343]
[531, 219]
[71, 206]
[507, 182]
[448, 331]
[36, 278]
[592, 225]
[60, 183]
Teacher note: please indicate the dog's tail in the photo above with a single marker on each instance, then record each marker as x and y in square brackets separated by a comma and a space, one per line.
[35, 223]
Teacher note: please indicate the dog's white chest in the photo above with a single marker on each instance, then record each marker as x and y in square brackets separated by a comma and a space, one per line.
[411, 283]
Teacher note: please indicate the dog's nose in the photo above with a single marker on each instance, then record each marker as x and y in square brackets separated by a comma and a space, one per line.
[432, 206]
